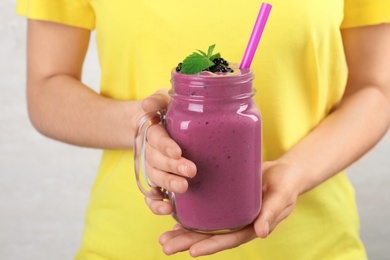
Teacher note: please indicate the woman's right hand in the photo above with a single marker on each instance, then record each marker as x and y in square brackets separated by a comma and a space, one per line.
[165, 166]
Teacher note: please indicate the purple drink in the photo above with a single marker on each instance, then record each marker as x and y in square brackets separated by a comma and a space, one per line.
[217, 124]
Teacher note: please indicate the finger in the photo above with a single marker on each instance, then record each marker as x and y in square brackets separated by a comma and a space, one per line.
[180, 166]
[159, 207]
[222, 242]
[166, 180]
[157, 101]
[180, 240]
[167, 236]
[159, 138]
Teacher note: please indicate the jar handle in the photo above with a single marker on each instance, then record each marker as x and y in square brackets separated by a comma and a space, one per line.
[157, 117]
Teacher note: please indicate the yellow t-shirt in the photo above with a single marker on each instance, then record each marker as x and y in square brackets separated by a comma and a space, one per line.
[300, 75]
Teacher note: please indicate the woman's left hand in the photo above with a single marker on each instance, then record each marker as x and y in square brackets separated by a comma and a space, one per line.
[280, 192]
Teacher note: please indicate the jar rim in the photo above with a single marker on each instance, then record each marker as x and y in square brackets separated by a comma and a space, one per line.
[239, 76]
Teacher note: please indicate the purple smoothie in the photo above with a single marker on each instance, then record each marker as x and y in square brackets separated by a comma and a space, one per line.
[218, 126]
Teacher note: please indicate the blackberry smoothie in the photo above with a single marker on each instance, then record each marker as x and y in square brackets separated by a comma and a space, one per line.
[215, 121]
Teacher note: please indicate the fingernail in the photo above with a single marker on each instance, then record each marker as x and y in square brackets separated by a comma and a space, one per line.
[176, 227]
[162, 210]
[170, 152]
[183, 169]
[266, 226]
[175, 185]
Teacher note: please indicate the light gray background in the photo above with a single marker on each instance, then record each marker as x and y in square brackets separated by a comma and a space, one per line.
[44, 184]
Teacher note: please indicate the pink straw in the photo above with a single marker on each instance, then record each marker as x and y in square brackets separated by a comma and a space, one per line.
[257, 31]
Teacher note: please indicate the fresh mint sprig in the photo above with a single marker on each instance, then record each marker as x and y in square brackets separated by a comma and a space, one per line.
[199, 61]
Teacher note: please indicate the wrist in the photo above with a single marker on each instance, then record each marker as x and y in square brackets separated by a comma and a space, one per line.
[295, 174]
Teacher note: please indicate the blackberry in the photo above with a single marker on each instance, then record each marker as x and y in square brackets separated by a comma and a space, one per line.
[178, 68]
[218, 68]
[221, 65]
[220, 61]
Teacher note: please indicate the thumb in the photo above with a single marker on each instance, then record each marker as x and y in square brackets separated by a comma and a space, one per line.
[275, 208]
[157, 101]
[262, 223]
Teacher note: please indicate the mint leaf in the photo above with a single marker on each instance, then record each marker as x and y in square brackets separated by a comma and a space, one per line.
[215, 56]
[195, 63]
[210, 51]
[203, 53]
[199, 61]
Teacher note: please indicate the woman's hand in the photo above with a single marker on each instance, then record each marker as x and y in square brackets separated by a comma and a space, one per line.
[165, 166]
[342, 137]
[280, 192]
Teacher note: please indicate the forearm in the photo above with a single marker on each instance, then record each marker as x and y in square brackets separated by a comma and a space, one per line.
[340, 139]
[61, 107]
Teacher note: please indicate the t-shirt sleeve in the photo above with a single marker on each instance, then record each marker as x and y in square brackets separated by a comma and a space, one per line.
[365, 12]
[77, 13]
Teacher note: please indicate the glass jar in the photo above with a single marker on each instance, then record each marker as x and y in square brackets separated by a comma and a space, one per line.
[217, 124]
